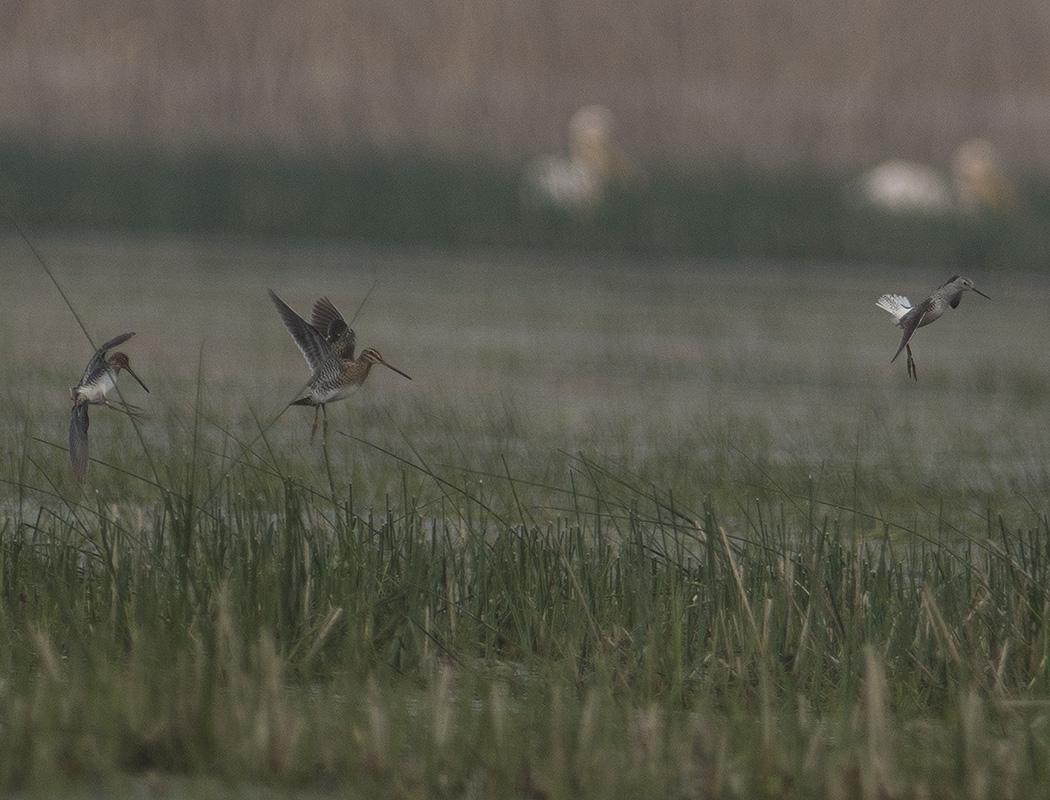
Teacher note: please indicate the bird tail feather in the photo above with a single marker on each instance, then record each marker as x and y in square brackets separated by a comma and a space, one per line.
[896, 304]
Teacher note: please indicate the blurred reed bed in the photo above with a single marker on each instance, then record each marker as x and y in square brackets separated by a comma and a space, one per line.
[412, 124]
[748, 84]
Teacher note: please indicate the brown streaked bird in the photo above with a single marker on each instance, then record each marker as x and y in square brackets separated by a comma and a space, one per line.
[99, 377]
[910, 317]
[328, 347]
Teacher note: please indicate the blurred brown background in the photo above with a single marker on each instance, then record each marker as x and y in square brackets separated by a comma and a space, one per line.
[821, 84]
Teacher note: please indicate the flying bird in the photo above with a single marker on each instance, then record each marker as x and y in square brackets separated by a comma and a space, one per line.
[910, 318]
[327, 344]
[99, 377]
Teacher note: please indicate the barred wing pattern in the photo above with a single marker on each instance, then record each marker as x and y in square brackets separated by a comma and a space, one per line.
[325, 363]
[327, 320]
[97, 365]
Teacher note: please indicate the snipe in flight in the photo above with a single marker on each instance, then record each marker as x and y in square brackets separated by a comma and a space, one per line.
[327, 344]
[911, 317]
[99, 377]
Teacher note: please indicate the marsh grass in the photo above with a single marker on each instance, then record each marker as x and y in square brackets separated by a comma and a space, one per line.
[456, 639]
[482, 592]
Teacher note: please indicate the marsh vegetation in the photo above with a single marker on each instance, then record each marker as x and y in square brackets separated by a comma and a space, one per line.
[637, 528]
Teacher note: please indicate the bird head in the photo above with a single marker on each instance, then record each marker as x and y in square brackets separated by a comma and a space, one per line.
[119, 361]
[370, 356]
[958, 284]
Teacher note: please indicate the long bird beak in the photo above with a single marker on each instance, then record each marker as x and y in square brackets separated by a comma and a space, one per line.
[137, 378]
[982, 294]
[390, 366]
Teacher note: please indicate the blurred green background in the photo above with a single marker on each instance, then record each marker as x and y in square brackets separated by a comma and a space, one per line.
[412, 123]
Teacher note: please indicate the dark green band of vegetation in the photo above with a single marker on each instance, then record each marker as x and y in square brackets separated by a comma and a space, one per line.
[411, 199]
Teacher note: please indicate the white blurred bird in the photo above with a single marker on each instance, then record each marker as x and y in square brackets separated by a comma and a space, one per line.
[578, 183]
[976, 185]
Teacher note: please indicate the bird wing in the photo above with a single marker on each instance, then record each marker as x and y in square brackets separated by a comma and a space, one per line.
[315, 349]
[343, 343]
[78, 440]
[331, 325]
[910, 322]
[325, 314]
[97, 365]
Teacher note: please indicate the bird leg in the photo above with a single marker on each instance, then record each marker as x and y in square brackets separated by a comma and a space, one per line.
[912, 371]
[127, 408]
[313, 430]
[325, 414]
